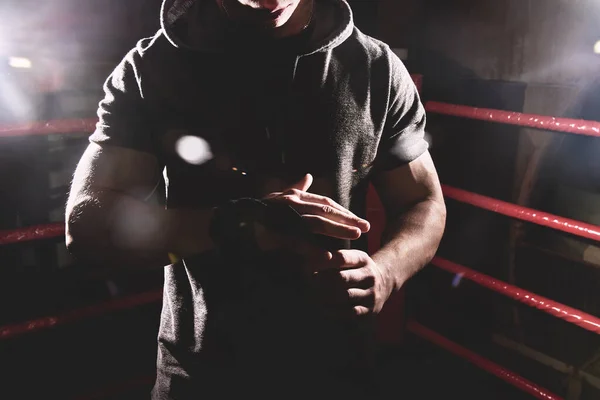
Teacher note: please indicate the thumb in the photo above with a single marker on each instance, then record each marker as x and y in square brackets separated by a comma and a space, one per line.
[303, 184]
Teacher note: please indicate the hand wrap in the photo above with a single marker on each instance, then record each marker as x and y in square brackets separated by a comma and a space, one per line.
[232, 227]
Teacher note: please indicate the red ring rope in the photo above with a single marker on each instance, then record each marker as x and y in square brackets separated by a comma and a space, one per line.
[36, 232]
[124, 303]
[84, 125]
[569, 314]
[568, 125]
[571, 226]
[577, 317]
[32, 233]
[51, 127]
[506, 375]
[568, 225]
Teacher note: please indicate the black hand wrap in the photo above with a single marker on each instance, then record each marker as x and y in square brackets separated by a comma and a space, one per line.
[232, 226]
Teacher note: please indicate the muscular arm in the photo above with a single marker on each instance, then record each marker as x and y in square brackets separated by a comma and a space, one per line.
[109, 221]
[415, 214]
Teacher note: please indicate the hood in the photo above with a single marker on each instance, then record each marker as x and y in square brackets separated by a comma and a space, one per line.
[199, 25]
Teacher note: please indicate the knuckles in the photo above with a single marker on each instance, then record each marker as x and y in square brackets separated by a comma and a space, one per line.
[289, 198]
[327, 209]
[292, 192]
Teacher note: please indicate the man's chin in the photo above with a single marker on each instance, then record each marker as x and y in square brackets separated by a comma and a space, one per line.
[274, 24]
[270, 26]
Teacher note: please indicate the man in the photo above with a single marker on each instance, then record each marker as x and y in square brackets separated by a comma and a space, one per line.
[269, 119]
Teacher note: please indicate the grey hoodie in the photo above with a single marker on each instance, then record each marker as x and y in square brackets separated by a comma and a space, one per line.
[332, 102]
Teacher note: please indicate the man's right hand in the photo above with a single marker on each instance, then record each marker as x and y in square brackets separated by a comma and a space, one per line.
[322, 215]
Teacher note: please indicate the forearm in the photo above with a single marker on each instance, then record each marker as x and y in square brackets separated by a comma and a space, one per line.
[411, 240]
[109, 228]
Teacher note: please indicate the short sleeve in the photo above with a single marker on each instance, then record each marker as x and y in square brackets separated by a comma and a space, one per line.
[123, 116]
[403, 137]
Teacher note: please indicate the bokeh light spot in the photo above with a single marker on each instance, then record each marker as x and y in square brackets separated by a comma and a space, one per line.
[19, 62]
[193, 150]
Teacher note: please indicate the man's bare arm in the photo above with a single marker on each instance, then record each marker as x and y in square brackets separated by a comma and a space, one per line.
[109, 221]
[415, 215]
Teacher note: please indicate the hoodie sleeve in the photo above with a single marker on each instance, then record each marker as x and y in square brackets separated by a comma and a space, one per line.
[403, 139]
[123, 116]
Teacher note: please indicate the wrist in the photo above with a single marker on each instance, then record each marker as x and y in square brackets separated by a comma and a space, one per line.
[246, 227]
[390, 269]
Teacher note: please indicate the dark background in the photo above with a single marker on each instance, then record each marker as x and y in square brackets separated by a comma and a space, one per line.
[94, 355]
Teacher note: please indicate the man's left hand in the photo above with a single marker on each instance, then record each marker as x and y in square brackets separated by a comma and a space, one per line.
[353, 284]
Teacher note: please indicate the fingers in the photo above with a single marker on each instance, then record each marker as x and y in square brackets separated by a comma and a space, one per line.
[323, 215]
[357, 278]
[324, 206]
[351, 261]
[362, 301]
[347, 285]
[361, 310]
[345, 294]
[323, 226]
[331, 213]
[303, 184]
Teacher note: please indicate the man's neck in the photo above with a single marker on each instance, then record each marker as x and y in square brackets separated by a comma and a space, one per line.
[299, 20]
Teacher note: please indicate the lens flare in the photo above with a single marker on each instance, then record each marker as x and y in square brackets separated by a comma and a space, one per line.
[19, 62]
[193, 150]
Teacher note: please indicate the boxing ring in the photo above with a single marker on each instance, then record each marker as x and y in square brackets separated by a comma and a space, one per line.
[576, 228]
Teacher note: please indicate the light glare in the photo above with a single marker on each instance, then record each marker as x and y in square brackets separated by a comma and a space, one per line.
[19, 62]
[597, 47]
[193, 149]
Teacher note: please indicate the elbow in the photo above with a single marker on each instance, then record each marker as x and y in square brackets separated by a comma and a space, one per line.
[442, 214]
[438, 225]
[69, 241]
[84, 244]
[74, 239]
[81, 232]
[433, 224]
